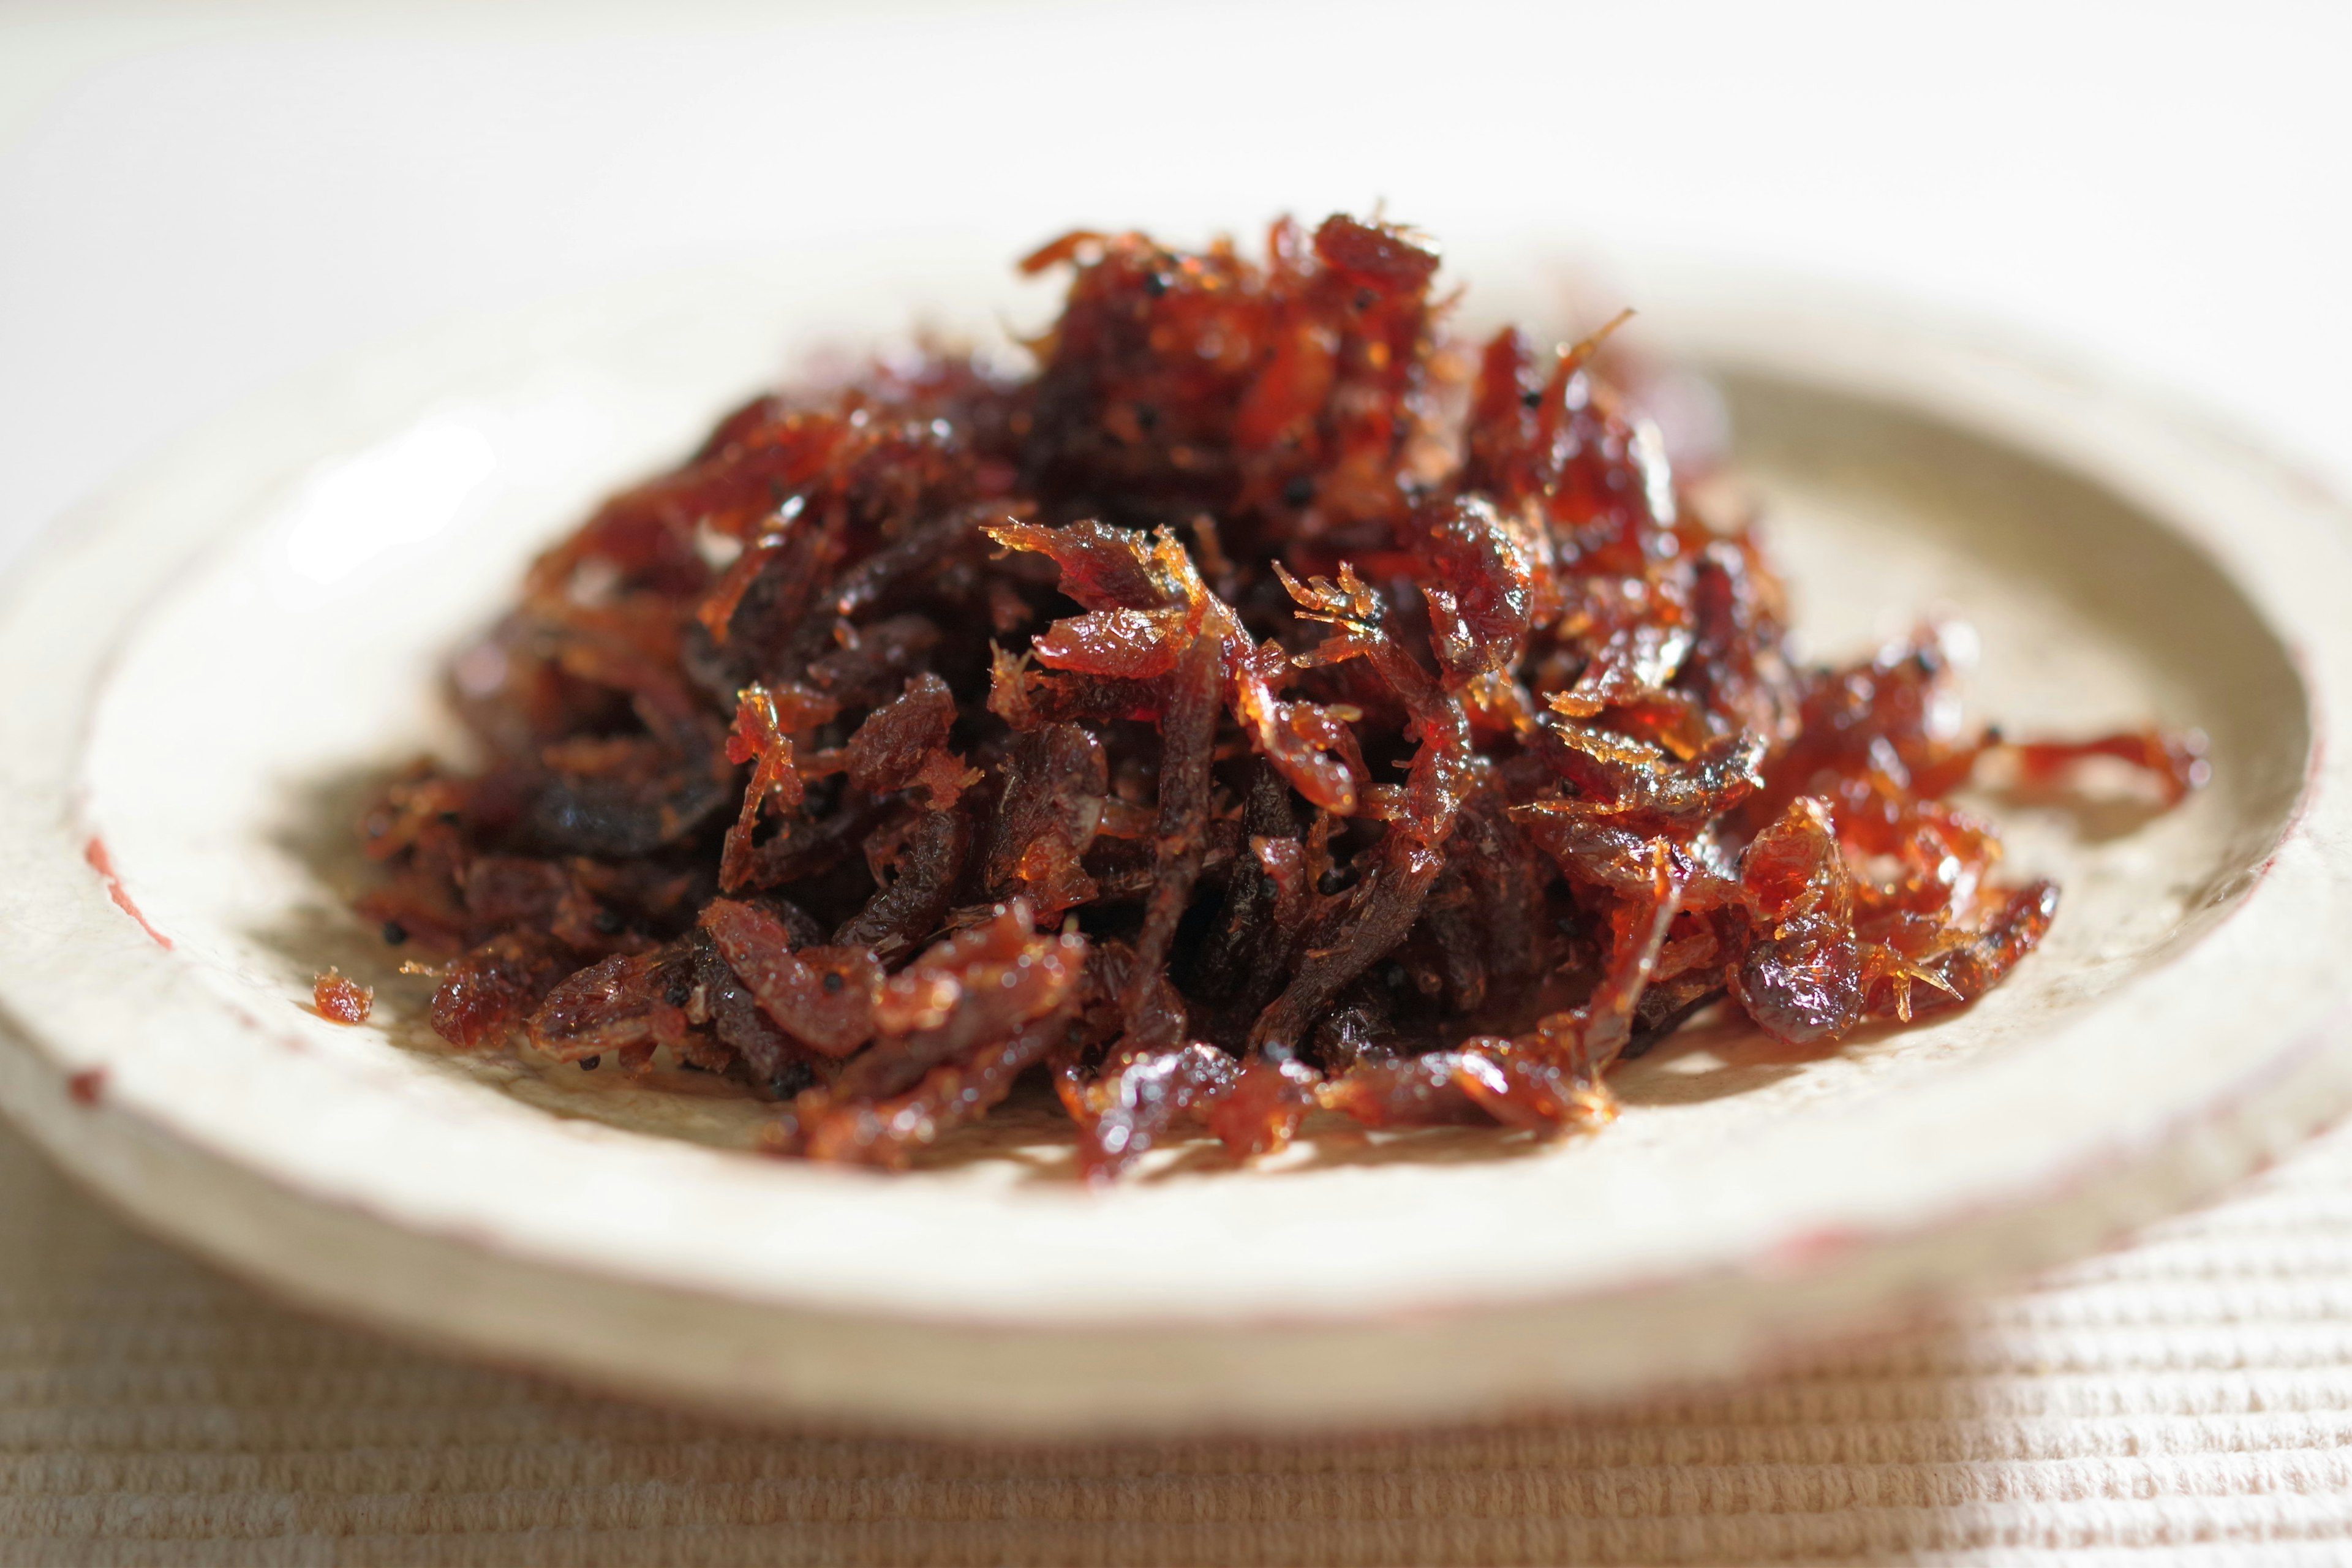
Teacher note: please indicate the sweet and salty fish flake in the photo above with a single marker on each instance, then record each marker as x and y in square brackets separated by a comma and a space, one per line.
[1268, 704]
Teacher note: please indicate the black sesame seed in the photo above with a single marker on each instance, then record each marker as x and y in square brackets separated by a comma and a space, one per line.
[1364, 298]
[1298, 490]
[448, 817]
[1147, 417]
[1531, 399]
[394, 933]
[606, 923]
[1156, 283]
[588, 1064]
[833, 983]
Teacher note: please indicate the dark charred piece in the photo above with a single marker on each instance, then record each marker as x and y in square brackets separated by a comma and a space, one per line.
[1269, 705]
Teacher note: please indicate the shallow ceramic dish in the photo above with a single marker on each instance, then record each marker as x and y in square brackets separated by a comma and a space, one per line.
[204, 671]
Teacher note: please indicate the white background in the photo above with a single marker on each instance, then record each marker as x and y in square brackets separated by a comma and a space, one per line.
[199, 199]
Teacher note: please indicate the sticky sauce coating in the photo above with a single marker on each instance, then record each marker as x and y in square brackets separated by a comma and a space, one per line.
[341, 1000]
[1265, 702]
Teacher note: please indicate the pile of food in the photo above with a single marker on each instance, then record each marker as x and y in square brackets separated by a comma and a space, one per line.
[1269, 703]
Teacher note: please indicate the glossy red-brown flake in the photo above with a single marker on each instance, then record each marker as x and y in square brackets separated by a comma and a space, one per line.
[1268, 706]
[341, 1000]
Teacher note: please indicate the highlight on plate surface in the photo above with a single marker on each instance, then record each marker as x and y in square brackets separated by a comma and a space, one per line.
[1271, 701]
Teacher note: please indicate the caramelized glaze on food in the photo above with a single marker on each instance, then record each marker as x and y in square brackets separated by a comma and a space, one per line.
[1267, 704]
[340, 999]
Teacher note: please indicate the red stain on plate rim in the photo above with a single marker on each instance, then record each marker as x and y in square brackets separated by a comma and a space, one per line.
[95, 853]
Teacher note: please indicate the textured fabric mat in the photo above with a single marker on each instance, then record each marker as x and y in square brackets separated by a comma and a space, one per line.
[2189, 1397]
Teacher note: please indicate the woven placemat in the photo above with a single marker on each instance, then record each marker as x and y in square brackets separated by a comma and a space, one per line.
[2186, 1395]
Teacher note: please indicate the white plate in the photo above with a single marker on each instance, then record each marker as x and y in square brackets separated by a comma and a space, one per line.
[204, 669]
